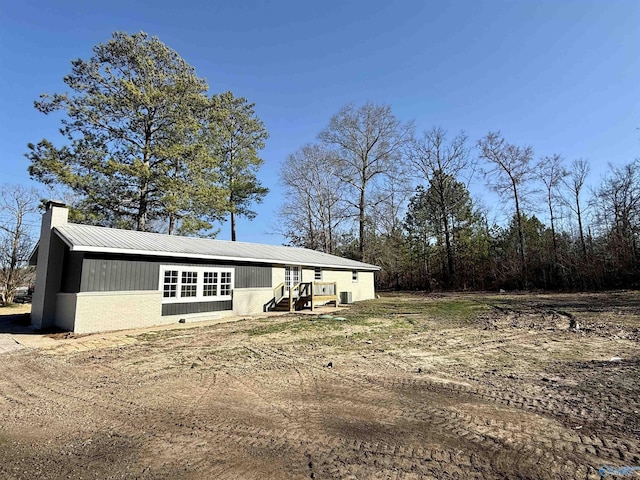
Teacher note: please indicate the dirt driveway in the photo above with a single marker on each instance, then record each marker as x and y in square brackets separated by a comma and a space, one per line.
[405, 387]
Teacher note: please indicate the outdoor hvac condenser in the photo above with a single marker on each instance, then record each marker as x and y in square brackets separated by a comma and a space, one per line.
[346, 297]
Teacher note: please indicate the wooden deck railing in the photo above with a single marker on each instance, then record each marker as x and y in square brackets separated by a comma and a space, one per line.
[311, 292]
[323, 289]
[278, 293]
[301, 294]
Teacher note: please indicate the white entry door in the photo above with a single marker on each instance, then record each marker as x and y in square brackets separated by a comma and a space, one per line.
[291, 276]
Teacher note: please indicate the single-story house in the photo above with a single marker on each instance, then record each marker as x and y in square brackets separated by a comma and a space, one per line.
[92, 279]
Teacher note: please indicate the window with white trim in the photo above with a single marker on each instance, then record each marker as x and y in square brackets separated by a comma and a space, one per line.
[210, 284]
[189, 284]
[317, 274]
[170, 284]
[354, 276]
[225, 283]
[195, 284]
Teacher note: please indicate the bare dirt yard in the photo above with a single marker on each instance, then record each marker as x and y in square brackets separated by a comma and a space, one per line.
[405, 387]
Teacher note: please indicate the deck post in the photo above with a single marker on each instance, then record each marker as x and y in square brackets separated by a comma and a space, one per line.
[291, 306]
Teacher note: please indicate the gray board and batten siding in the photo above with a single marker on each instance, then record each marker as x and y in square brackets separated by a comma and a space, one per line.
[113, 273]
[90, 272]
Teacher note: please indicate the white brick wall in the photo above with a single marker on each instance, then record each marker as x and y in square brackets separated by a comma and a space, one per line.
[361, 290]
[103, 311]
[247, 301]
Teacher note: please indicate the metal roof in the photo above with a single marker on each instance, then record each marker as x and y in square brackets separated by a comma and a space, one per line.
[88, 238]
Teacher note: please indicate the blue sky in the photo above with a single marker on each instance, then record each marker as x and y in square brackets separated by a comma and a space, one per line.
[562, 76]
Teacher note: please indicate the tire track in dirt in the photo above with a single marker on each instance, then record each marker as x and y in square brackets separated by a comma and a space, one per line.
[541, 401]
[281, 412]
[279, 444]
[474, 425]
[603, 446]
[458, 425]
[93, 411]
[286, 441]
[139, 422]
[12, 393]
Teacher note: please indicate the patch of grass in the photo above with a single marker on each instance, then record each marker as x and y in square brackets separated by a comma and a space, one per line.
[385, 315]
[413, 309]
[307, 324]
[148, 336]
[460, 310]
[155, 335]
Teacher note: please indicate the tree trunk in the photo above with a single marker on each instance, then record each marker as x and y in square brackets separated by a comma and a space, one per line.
[330, 250]
[447, 239]
[361, 217]
[311, 234]
[523, 268]
[143, 204]
[583, 245]
[9, 287]
[553, 232]
[233, 226]
[142, 208]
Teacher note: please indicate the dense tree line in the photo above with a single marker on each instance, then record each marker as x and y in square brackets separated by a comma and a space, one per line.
[373, 190]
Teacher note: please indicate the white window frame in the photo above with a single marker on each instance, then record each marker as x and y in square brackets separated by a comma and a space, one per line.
[317, 274]
[173, 284]
[227, 285]
[354, 276]
[200, 271]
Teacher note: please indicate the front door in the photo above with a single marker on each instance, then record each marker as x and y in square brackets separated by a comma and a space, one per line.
[291, 277]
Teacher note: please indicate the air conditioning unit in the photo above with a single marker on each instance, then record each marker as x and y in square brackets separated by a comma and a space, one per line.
[346, 297]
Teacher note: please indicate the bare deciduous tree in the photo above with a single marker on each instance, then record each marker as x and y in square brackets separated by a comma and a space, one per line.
[16, 204]
[574, 182]
[385, 240]
[618, 202]
[314, 208]
[550, 172]
[369, 140]
[510, 167]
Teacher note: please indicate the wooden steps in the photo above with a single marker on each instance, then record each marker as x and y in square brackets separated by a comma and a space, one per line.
[309, 294]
